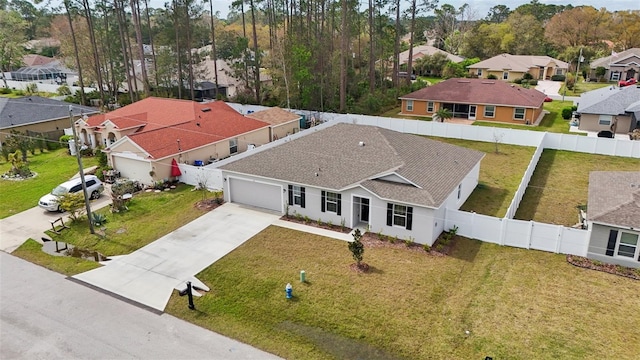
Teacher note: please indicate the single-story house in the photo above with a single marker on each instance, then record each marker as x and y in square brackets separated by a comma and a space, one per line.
[610, 108]
[477, 99]
[620, 66]
[362, 176]
[282, 122]
[613, 216]
[143, 138]
[511, 67]
[36, 115]
[422, 50]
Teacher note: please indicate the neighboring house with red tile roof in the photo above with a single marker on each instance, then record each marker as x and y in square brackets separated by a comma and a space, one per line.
[282, 122]
[613, 216]
[362, 176]
[143, 138]
[477, 99]
[35, 60]
[511, 67]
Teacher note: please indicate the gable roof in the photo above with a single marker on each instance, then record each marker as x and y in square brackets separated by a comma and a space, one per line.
[169, 126]
[614, 198]
[610, 100]
[422, 50]
[622, 58]
[520, 63]
[434, 168]
[274, 116]
[35, 109]
[479, 91]
[35, 59]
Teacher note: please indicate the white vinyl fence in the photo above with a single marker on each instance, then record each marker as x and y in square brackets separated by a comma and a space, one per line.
[524, 183]
[519, 233]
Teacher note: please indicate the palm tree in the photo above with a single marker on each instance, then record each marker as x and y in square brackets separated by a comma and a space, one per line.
[442, 115]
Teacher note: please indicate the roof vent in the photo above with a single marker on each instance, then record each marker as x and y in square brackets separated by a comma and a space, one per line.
[361, 143]
[205, 109]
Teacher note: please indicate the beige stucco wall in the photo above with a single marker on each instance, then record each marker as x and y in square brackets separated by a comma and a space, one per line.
[502, 113]
[45, 126]
[282, 130]
[589, 122]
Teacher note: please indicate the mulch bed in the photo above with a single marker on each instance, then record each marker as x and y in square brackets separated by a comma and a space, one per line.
[583, 262]
[323, 225]
[372, 240]
[208, 204]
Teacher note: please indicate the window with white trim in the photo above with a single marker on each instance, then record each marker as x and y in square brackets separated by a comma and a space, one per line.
[331, 202]
[628, 245]
[233, 146]
[518, 113]
[479, 72]
[605, 120]
[409, 105]
[558, 71]
[430, 106]
[505, 75]
[399, 215]
[296, 195]
[489, 111]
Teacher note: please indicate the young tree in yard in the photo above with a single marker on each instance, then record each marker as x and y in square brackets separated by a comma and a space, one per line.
[442, 115]
[356, 247]
[73, 203]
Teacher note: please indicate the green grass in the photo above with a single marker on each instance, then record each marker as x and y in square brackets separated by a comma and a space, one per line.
[582, 87]
[395, 113]
[431, 80]
[32, 252]
[552, 122]
[500, 175]
[515, 303]
[560, 184]
[52, 167]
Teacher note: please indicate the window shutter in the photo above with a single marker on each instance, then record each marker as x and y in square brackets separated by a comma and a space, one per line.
[389, 214]
[409, 217]
[302, 197]
[611, 245]
[323, 197]
[290, 194]
[339, 212]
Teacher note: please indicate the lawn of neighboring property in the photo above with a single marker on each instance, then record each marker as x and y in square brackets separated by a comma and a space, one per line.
[560, 184]
[53, 168]
[582, 87]
[515, 303]
[552, 122]
[500, 175]
[395, 113]
[31, 251]
[150, 216]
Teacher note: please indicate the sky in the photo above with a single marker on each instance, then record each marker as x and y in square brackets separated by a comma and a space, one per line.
[480, 7]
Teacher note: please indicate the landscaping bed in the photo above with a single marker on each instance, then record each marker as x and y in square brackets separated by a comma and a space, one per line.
[317, 223]
[583, 262]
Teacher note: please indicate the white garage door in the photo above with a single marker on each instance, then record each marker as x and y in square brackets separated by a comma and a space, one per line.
[133, 169]
[256, 194]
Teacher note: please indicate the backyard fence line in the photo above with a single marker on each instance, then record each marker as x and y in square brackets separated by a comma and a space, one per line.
[524, 183]
[519, 233]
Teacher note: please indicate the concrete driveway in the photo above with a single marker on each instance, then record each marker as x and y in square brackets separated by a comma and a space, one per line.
[150, 274]
[32, 223]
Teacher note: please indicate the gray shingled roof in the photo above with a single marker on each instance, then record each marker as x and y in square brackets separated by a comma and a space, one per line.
[614, 198]
[35, 109]
[610, 100]
[334, 153]
[622, 57]
[517, 62]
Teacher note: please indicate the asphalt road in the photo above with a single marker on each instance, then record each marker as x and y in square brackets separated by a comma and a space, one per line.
[45, 316]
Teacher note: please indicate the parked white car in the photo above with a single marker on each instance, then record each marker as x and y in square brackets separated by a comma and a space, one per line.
[49, 202]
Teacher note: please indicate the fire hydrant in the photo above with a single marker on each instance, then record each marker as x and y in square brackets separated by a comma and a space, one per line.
[288, 290]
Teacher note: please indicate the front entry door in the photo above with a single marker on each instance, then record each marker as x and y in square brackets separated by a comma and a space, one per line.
[472, 112]
[364, 210]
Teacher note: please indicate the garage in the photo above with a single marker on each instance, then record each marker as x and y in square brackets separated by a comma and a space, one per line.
[254, 193]
[133, 168]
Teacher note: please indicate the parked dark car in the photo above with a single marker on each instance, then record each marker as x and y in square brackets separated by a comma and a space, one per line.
[404, 74]
[606, 134]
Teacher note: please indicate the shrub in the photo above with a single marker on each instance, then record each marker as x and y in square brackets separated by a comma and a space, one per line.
[98, 219]
[426, 247]
[5, 91]
[566, 113]
[533, 82]
[307, 220]
[518, 81]
[527, 76]
[557, 78]
[356, 247]
[492, 77]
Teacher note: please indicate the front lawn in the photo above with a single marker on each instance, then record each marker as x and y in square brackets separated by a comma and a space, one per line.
[560, 184]
[514, 303]
[552, 122]
[150, 216]
[53, 168]
[500, 175]
[583, 87]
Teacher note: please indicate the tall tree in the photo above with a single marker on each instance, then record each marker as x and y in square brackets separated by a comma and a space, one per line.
[214, 55]
[135, 16]
[578, 26]
[94, 48]
[67, 7]
[344, 48]
[12, 37]
[498, 14]
[256, 52]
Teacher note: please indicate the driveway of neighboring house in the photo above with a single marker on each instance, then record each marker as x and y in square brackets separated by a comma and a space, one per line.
[149, 275]
[552, 88]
